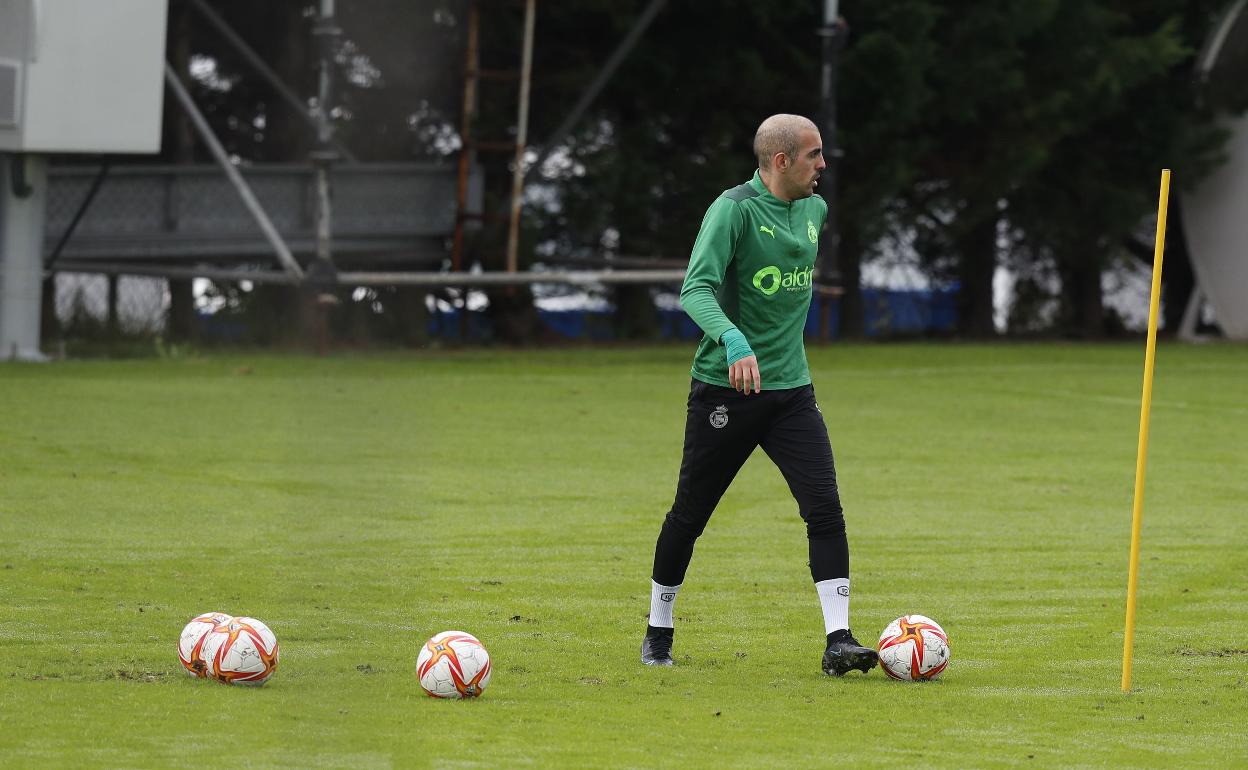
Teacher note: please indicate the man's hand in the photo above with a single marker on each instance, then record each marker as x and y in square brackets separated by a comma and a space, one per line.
[743, 375]
[742, 365]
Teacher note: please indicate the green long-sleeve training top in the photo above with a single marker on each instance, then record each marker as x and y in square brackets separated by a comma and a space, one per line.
[752, 268]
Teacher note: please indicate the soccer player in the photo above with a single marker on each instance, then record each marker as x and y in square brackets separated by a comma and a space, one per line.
[748, 287]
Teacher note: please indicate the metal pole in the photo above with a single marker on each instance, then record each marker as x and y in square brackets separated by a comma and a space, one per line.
[113, 324]
[266, 72]
[522, 135]
[96, 184]
[244, 190]
[322, 276]
[519, 278]
[326, 33]
[833, 34]
[466, 154]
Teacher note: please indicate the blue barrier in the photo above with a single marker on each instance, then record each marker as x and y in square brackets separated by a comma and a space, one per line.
[889, 311]
[885, 312]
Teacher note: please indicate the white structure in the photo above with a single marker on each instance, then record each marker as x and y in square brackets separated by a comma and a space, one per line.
[1215, 218]
[75, 76]
[1215, 215]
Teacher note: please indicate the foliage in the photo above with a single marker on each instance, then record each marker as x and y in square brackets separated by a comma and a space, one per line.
[1137, 114]
[1027, 132]
[1088, 98]
[675, 125]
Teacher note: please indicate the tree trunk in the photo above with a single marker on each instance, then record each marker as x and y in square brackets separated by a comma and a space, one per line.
[1178, 280]
[1084, 308]
[513, 315]
[977, 247]
[413, 315]
[112, 326]
[49, 323]
[180, 324]
[284, 40]
[849, 265]
[179, 135]
[636, 317]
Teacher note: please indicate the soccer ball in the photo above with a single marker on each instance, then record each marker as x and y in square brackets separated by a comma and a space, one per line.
[242, 651]
[191, 643]
[453, 664]
[914, 648]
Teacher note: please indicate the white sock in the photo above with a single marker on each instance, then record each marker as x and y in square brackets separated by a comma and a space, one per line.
[661, 600]
[834, 598]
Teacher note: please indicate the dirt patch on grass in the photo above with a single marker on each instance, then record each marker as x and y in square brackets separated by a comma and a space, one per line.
[138, 676]
[1222, 652]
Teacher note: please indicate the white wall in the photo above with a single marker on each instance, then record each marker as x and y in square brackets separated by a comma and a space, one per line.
[1215, 218]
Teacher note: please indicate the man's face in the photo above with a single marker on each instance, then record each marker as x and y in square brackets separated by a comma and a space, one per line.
[802, 175]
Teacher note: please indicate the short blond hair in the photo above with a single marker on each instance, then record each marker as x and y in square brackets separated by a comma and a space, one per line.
[779, 133]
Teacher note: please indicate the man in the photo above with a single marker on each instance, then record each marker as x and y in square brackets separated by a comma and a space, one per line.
[748, 287]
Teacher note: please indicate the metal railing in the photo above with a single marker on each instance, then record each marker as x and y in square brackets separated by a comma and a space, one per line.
[184, 212]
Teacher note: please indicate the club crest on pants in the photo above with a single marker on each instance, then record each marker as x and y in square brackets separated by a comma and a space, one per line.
[719, 417]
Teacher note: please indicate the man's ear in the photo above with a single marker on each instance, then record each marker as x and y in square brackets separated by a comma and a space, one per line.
[780, 161]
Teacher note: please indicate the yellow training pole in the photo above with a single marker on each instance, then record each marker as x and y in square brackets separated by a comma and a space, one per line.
[1141, 455]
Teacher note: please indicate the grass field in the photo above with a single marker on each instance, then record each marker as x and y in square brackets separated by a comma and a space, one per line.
[359, 504]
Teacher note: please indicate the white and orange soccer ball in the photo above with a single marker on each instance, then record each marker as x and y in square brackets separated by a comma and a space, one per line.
[241, 651]
[453, 664]
[191, 642]
[914, 648]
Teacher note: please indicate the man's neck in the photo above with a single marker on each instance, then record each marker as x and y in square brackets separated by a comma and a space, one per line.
[771, 181]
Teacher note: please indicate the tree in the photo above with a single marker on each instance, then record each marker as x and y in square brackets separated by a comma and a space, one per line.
[1134, 111]
[1040, 128]
[999, 108]
[672, 129]
[883, 101]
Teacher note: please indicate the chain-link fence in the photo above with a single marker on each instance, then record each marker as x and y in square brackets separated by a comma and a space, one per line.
[82, 304]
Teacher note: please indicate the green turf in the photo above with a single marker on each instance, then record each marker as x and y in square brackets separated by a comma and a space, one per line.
[360, 504]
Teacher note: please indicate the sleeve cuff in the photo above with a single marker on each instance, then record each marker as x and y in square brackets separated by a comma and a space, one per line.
[735, 345]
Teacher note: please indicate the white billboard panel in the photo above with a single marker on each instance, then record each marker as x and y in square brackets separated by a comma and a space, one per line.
[81, 75]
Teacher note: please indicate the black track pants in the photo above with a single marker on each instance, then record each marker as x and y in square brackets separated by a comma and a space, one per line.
[722, 429]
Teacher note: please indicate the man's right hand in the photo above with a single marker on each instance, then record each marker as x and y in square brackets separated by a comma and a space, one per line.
[743, 375]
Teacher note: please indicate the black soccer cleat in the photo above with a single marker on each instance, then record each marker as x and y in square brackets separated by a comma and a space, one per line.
[656, 648]
[844, 654]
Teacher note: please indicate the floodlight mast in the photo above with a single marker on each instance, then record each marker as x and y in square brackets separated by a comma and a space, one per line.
[326, 32]
[522, 137]
[833, 32]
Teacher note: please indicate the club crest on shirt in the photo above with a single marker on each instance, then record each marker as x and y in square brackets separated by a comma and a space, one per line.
[811, 232]
[719, 417]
